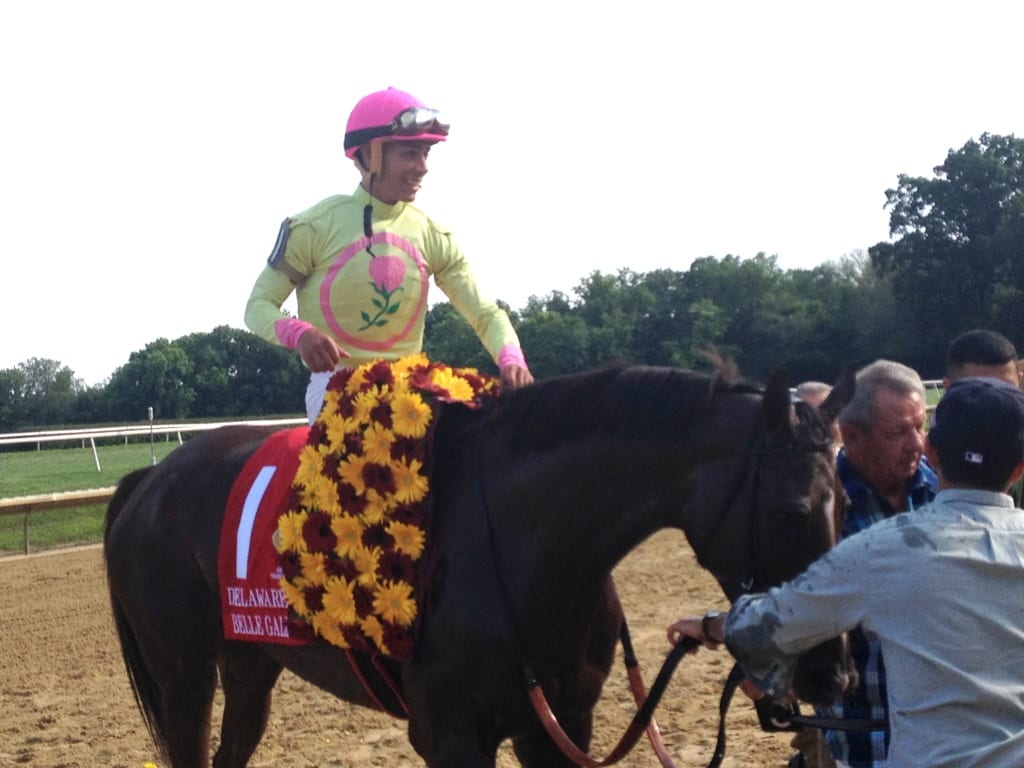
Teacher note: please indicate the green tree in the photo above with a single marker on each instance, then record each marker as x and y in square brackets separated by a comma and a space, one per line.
[449, 339]
[41, 391]
[158, 377]
[957, 257]
[234, 373]
[12, 399]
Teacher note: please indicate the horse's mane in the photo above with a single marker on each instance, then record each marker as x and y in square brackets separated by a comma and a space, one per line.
[614, 400]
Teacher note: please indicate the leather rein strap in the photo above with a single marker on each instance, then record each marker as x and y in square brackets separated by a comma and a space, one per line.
[642, 721]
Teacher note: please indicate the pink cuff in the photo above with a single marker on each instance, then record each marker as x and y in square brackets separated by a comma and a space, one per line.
[289, 329]
[512, 354]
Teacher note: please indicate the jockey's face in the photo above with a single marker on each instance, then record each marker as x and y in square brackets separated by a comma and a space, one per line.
[402, 170]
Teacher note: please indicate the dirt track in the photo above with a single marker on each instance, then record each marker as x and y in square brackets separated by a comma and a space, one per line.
[66, 702]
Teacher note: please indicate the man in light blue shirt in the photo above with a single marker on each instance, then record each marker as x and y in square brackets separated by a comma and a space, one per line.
[937, 587]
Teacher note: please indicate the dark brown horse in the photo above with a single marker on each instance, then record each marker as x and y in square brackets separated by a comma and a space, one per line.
[536, 499]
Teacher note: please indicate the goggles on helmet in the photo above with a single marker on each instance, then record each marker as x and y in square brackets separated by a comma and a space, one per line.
[415, 121]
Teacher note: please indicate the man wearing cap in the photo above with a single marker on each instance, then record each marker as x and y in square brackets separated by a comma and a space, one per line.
[981, 352]
[939, 593]
[360, 264]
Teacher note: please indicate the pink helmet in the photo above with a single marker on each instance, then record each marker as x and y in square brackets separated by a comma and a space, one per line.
[392, 115]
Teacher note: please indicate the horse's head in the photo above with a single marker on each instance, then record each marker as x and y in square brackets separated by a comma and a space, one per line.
[785, 511]
[800, 505]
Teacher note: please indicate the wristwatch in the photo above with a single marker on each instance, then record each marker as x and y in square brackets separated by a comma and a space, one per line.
[705, 626]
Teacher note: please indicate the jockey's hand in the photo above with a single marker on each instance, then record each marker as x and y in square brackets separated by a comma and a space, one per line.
[515, 376]
[319, 351]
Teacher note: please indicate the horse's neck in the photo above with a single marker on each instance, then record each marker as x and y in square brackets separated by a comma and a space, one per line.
[572, 514]
[596, 496]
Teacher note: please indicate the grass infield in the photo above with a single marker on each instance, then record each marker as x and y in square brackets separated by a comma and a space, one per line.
[50, 470]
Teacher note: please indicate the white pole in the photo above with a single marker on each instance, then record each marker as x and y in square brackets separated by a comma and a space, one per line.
[152, 448]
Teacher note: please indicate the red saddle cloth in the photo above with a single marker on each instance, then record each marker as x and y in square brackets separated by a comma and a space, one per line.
[253, 605]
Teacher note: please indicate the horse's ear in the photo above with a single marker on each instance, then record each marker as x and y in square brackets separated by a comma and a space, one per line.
[778, 407]
[840, 395]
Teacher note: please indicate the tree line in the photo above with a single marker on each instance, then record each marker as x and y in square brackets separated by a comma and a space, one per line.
[954, 261]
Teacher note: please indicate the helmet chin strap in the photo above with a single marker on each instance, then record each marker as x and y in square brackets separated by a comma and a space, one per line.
[376, 162]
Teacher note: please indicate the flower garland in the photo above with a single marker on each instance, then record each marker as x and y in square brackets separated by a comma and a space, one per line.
[356, 523]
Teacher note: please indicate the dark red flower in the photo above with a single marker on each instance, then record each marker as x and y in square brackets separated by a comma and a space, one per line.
[291, 565]
[314, 598]
[346, 407]
[340, 378]
[410, 514]
[364, 602]
[396, 566]
[420, 380]
[381, 413]
[353, 444]
[331, 462]
[376, 536]
[317, 532]
[350, 501]
[398, 640]
[409, 448]
[379, 375]
[341, 566]
[379, 478]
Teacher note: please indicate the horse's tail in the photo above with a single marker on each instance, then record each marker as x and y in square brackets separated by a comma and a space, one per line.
[144, 686]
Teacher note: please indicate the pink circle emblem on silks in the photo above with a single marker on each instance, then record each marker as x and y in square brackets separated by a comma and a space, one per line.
[342, 259]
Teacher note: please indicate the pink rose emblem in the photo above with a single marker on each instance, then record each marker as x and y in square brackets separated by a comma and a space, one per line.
[387, 274]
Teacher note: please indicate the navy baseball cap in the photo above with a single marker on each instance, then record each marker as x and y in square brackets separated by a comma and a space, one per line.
[978, 431]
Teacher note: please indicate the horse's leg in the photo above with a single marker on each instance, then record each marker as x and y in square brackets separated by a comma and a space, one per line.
[454, 742]
[537, 750]
[187, 701]
[584, 689]
[247, 676]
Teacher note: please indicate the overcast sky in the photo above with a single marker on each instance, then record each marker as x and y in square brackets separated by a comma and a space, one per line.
[150, 151]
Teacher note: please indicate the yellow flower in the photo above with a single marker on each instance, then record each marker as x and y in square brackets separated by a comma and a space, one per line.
[296, 599]
[351, 471]
[410, 415]
[408, 538]
[339, 600]
[336, 427]
[320, 493]
[357, 379]
[349, 531]
[377, 441]
[365, 561]
[328, 629]
[410, 484]
[364, 403]
[311, 465]
[376, 507]
[393, 601]
[289, 525]
[458, 388]
[374, 630]
[313, 567]
[331, 399]
[406, 365]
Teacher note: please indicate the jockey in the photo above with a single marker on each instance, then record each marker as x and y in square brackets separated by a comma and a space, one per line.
[360, 264]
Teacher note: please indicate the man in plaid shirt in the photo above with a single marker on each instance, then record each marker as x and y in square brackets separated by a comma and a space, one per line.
[883, 472]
